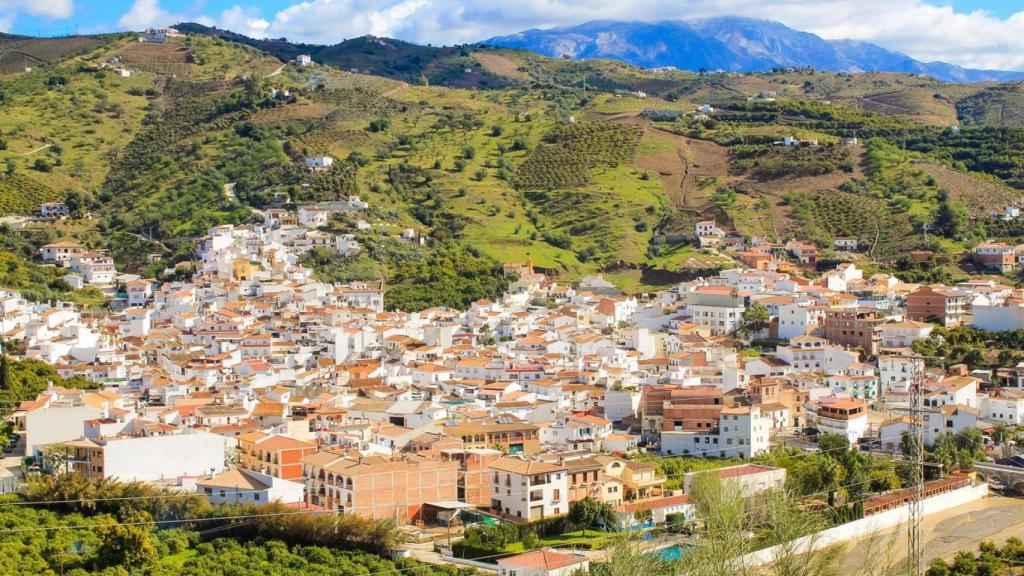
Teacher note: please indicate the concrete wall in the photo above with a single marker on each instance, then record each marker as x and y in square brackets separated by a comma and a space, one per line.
[164, 457]
[873, 524]
[56, 424]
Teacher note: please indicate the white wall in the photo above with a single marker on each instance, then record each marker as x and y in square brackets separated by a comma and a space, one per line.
[161, 457]
[873, 524]
[996, 318]
[619, 405]
[56, 424]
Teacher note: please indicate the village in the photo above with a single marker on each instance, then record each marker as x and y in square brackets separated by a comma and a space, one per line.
[254, 382]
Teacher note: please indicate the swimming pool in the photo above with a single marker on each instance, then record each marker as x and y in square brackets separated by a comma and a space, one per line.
[674, 552]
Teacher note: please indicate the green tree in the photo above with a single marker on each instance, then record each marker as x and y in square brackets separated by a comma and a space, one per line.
[128, 543]
[5, 372]
[754, 319]
[951, 218]
[588, 513]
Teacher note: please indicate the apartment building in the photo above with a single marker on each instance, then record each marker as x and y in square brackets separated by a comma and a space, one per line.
[937, 304]
[855, 328]
[474, 474]
[512, 437]
[377, 486]
[273, 454]
[742, 431]
[844, 416]
[529, 490]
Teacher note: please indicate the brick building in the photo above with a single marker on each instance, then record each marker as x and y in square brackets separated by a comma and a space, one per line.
[379, 487]
[278, 456]
[855, 328]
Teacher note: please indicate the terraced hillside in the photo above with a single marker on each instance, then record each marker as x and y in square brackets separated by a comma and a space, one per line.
[530, 164]
[20, 52]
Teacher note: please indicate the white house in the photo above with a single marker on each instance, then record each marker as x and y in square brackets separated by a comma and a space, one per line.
[304, 60]
[529, 489]
[844, 243]
[904, 334]
[57, 423]
[61, 251]
[153, 458]
[1004, 405]
[627, 515]
[896, 372]
[844, 416]
[937, 422]
[355, 203]
[313, 216]
[1008, 315]
[745, 480]
[53, 210]
[347, 245]
[797, 319]
[240, 486]
[742, 431]
[319, 163]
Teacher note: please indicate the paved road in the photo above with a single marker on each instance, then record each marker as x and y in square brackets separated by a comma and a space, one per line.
[995, 518]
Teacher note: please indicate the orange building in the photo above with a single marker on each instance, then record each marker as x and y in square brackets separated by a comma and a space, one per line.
[937, 304]
[855, 327]
[474, 484]
[585, 478]
[756, 259]
[278, 456]
[379, 487]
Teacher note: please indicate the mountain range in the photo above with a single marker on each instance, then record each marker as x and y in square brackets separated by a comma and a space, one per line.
[732, 44]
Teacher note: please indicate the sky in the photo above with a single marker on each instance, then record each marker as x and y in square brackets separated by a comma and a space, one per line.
[971, 33]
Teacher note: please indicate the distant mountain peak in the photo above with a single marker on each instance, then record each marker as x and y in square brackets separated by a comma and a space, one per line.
[732, 43]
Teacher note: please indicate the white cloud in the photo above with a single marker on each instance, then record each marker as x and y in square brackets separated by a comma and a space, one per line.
[244, 21]
[145, 14]
[52, 9]
[926, 31]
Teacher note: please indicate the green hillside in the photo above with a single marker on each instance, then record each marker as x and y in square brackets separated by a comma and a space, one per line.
[520, 162]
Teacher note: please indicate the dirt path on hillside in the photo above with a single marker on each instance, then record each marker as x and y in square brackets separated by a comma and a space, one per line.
[396, 90]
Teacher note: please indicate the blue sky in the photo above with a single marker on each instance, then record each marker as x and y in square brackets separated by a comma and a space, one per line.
[974, 33]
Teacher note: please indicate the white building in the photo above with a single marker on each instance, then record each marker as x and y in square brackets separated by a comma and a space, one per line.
[53, 210]
[813, 354]
[56, 423]
[313, 216]
[904, 334]
[798, 319]
[1003, 405]
[304, 60]
[355, 203]
[153, 458]
[843, 416]
[896, 372]
[743, 431]
[240, 486]
[1008, 315]
[61, 251]
[529, 489]
[319, 163]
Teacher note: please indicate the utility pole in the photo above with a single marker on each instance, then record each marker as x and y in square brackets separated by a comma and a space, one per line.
[915, 516]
